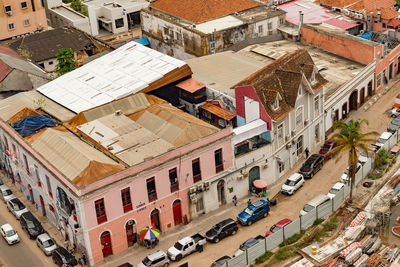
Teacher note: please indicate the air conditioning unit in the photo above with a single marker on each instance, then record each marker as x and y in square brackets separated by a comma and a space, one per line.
[166, 38]
[192, 190]
[306, 122]
[118, 112]
[293, 133]
[246, 174]
[200, 187]
[240, 177]
[288, 146]
[206, 185]
[9, 13]
[265, 165]
[193, 198]
[287, 138]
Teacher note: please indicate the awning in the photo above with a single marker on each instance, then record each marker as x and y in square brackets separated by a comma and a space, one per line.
[143, 41]
[219, 112]
[249, 130]
[191, 85]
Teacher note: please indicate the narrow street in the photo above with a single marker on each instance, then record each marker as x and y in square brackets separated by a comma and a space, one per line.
[24, 253]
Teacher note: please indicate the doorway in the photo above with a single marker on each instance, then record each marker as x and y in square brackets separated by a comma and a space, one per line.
[317, 134]
[130, 228]
[155, 219]
[106, 246]
[31, 194]
[370, 91]
[221, 192]
[177, 212]
[362, 93]
[254, 174]
[391, 71]
[344, 111]
[353, 101]
[299, 146]
[43, 206]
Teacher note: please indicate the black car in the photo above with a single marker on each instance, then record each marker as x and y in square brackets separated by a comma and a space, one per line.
[221, 261]
[61, 255]
[222, 230]
[31, 225]
[312, 165]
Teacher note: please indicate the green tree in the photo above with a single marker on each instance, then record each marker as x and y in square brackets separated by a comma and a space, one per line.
[78, 6]
[66, 60]
[351, 140]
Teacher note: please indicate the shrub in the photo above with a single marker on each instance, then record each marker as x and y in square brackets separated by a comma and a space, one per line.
[318, 221]
[293, 239]
[264, 257]
[383, 157]
[286, 253]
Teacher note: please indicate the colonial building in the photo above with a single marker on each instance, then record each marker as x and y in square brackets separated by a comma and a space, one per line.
[186, 29]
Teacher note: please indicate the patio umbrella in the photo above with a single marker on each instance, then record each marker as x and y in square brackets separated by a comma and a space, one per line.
[260, 184]
[149, 233]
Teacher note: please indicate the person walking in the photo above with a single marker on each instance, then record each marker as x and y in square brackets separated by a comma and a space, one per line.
[84, 258]
[248, 202]
[66, 244]
[234, 200]
[80, 262]
[307, 152]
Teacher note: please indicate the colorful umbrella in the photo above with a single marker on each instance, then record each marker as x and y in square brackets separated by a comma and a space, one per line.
[149, 233]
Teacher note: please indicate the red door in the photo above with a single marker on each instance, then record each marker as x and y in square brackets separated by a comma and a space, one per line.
[43, 206]
[176, 209]
[106, 244]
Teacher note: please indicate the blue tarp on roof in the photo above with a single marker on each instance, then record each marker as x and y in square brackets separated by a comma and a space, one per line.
[30, 124]
[367, 35]
[143, 41]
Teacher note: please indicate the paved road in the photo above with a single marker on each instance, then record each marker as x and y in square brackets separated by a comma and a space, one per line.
[24, 253]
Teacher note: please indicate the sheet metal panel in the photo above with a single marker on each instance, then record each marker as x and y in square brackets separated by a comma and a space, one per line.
[308, 219]
[324, 210]
[256, 251]
[239, 261]
[274, 240]
[292, 229]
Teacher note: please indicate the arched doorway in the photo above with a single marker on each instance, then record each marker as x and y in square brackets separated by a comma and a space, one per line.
[105, 240]
[177, 211]
[370, 91]
[344, 111]
[299, 146]
[30, 198]
[221, 192]
[362, 94]
[353, 101]
[43, 206]
[155, 219]
[130, 228]
[254, 174]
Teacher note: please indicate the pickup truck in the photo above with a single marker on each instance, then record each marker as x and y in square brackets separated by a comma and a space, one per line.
[186, 246]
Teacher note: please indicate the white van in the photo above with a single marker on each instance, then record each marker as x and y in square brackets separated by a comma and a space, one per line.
[313, 203]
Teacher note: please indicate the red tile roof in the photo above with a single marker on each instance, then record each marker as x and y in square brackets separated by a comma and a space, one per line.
[394, 22]
[359, 5]
[387, 13]
[198, 11]
[9, 52]
[4, 70]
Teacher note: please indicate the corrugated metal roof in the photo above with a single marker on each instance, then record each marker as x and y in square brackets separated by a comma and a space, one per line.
[219, 112]
[23, 65]
[67, 153]
[120, 73]
[13, 104]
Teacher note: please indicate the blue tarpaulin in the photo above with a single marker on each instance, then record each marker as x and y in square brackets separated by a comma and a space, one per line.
[143, 41]
[30, 124]
[367, 35]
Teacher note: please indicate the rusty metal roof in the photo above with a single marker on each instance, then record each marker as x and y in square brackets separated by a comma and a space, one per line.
[219, 112]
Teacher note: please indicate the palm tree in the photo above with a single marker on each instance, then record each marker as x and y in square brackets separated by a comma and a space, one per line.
[352, 140]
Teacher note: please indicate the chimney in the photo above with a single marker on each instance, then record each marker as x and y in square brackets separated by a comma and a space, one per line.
[301, 14]
[371, 20]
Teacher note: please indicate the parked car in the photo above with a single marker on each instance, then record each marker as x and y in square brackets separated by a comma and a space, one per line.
[294, 182]
[156, 259]
[126, 264]
[186, 246]
[45, 243]
[254, 212]
[385, 136]
[276, 227]
[1, 182]
[62, 256]
[221, 230]
[221, 261]
[16, 207]
[328, 146]
[248, 244]
[31, 225]
[312, 165]
[345, 176]
[6, 193]
[335, 189]
[313, 203]
[394, 125]
[9, 234]
[395, 112]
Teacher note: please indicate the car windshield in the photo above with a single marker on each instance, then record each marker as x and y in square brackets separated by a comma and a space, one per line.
[275, 229]
[7, 192]
[346, 171]
[48, 243]
[396, 122]
[248, 211]
[178, 246]
[146, 261]
[19, 206]
[308, 208]
[307, 164]
[326, 147]
[333, 191]
[10, 233]
[31, 224]
[381, 140]
[290, 183]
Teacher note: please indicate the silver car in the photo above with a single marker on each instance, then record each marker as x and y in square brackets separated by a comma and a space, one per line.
[45, 243]
[156, 259]
[16, 207]
[6, 193]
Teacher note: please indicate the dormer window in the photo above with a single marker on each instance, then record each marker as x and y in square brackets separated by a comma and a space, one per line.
[276, 103]
[300, 90]
[313, 76]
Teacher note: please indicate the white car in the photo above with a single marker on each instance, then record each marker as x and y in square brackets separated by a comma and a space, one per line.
[395, 112]
[6, 193]
[335, 189]
[345, 176]
[294, 182]
[385, 136]
[16, 207]
[45, 243]
[9, 234]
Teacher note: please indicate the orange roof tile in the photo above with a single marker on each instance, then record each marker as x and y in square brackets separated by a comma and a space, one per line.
[191, 85]
[220, 112]
[198, 11]
[387, 13]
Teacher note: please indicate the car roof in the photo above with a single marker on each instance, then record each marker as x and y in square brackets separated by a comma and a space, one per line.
[283, 222]
[15, 200]
[226, 221]
[184, 240]
[294, 176]
[43, 237]
[223, 258]
[259, 203]
[156, 255]
[250, 242]
[6, 227]
[62, 251]
[4, 187]
[385, 135]
[28, 215]
[338, 185]
[317, 200]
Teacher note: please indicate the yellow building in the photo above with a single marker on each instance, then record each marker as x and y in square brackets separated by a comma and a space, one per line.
[20, 17]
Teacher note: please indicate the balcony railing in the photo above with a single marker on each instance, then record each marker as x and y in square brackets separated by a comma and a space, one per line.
[196, 178]
[128, 207]
[174, 187]
[219, 168]
[101, 219]
[152, 197]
